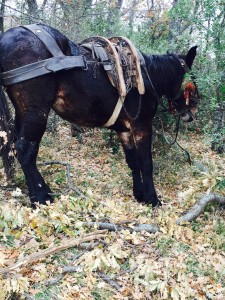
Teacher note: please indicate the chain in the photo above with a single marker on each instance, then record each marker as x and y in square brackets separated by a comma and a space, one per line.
[138, 111]
[126, 65]
[94, 70]
[94, 64]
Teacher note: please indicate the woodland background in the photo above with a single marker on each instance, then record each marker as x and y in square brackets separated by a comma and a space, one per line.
[154, 26]
[175, 262]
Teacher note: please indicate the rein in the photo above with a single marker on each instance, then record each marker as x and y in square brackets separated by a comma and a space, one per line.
[187, 91]
[189, 87]
[150, 81]
[159, 98]
[175, 139]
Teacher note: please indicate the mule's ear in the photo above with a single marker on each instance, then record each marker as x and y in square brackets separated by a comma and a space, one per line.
[191, 56]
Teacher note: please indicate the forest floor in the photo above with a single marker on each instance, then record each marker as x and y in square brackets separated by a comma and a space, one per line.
[176, 262]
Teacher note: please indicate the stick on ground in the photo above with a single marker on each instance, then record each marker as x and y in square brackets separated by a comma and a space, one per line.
[66, 244]
[199, 207]
[114, 227]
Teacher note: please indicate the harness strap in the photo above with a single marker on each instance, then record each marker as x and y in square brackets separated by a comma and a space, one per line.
[40, 68]
[58, 62]
[116, 112]
[112, 52]
[46, 38]
[109, 46]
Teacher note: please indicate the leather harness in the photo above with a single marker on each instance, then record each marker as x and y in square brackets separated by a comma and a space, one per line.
[58, 62]
[107, 53]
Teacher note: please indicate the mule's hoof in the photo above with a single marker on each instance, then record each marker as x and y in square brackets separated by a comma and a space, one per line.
[139, 197]
[155, 202]
[41, 199]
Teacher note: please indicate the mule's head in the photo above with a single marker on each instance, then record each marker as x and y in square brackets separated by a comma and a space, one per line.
[187, 99]
[186, 104]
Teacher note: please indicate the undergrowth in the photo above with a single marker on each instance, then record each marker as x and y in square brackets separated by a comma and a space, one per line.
[179, 262]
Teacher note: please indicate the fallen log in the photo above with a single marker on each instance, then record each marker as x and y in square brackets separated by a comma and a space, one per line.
[117, 227]
[199, 207]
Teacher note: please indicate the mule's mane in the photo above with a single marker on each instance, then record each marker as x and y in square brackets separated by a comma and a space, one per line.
[164, 71]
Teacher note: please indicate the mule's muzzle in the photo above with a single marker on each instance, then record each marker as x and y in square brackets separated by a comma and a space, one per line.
[189, 115]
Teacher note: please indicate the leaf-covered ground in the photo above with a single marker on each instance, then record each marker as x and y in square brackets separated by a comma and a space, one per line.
[178, 262]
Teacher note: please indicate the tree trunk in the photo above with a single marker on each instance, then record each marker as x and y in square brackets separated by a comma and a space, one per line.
[32, 10]
[2, 8]
[131, 15]
[218, 142]
[174, 26]
[113, 16]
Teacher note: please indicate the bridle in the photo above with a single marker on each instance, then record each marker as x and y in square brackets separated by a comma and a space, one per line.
[190, 95]
[189, 89]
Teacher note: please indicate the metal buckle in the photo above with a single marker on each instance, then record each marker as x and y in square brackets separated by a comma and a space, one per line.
[85, 63]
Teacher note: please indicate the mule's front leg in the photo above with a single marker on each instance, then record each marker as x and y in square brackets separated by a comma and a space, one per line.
[143, 145]
[27, 153]
[128, 144]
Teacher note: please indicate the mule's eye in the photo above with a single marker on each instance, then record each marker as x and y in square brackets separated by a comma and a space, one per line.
[182, 63]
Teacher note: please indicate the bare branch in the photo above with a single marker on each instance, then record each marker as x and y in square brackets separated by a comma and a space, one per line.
[127, 271]
[110, 281]
[112, 227]
[54, 249]
[199, 207]
[90, 246]
[68, 178]
[67, 269]
[43, 5]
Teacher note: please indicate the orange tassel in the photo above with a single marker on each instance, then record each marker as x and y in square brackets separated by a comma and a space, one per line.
[189, 88]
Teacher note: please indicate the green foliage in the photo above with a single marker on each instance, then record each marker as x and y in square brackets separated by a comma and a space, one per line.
[192, 264]
[220, 183]
[221, 227]
[164, 245]
[100, 294]
[60, 178]
[47, 293]
[111, 140]
[205, 22]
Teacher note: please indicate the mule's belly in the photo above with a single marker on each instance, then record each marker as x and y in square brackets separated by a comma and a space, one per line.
[79, 112]
[65, 110]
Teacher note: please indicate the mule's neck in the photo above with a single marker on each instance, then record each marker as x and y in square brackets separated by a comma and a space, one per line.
[166, 74]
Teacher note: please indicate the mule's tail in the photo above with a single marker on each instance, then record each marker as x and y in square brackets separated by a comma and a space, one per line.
[6, 136]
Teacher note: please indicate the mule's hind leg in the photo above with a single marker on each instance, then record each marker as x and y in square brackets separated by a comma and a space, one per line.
[38, 190]
[32, 101]
[128, 144]
[27, 146]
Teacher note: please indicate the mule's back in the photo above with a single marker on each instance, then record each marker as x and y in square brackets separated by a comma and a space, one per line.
[19, 47]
